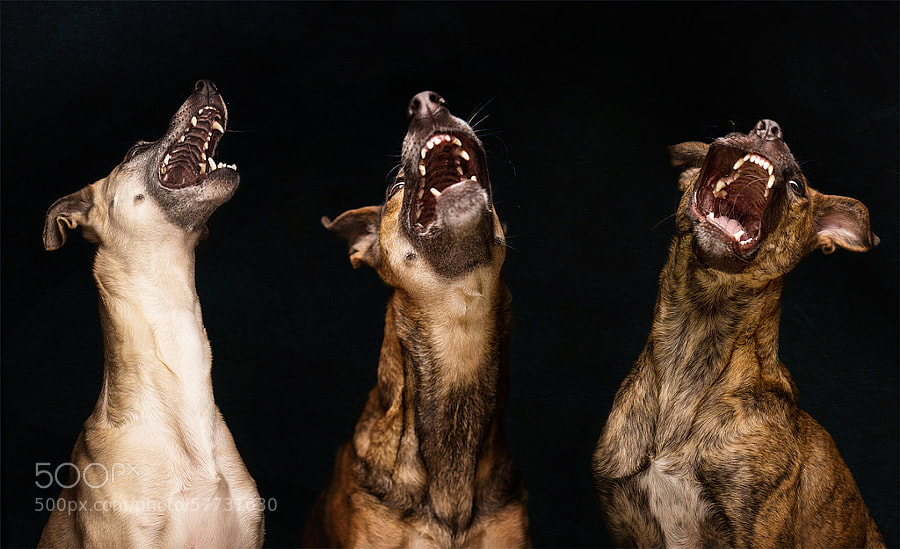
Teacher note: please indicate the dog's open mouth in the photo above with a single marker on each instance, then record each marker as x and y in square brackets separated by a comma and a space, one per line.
[449, 165]
[189, 160]
[731, 197]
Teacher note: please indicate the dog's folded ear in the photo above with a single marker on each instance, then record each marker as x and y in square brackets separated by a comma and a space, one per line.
[842, 221]
[66, 213]
[687, 157]
[360, 228]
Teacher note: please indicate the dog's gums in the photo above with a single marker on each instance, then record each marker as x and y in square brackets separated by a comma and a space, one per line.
[190, 159]
[732, 196]
[447, 160]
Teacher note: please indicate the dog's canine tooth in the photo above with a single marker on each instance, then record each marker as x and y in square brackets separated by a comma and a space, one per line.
[771, 169]
[435, 192]
[465, 156]
[212, 164]
[218, 127]
[740, 162]
[771, 182]
[457, 142]
[719, 186]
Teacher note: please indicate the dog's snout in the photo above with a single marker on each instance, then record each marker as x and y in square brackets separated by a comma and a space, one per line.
[425, 105]
[205, 87]
[768, 130]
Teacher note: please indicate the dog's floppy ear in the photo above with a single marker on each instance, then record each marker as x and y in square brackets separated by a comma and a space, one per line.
[360, 228]
[67, 213]
[687, 157]
[841, 221]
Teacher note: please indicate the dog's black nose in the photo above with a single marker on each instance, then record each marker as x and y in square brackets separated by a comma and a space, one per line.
[767, 130]
[205, 87]
[425, 105]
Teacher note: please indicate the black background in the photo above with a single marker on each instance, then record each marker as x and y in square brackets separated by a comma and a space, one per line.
[576, 104]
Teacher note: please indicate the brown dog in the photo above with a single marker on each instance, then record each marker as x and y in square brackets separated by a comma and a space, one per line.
[705, 444]
[185, 484]
[428, 464]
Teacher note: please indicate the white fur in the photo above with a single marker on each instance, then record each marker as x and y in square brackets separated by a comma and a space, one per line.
[677, 503]
[156, 410]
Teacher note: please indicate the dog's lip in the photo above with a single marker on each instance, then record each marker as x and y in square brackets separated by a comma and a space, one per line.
[446, 160]
[732, 193]
[188, 161]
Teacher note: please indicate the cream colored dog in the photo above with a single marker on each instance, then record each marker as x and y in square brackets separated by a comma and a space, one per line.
[181, 481]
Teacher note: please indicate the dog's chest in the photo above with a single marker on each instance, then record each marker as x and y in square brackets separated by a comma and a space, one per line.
[677, 503]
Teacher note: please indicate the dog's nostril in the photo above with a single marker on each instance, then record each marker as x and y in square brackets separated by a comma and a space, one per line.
[204, 87]
[768, 130]
[425, 104]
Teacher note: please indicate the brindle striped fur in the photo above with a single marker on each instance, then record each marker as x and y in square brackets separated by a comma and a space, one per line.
[705, 444]
[428, 464]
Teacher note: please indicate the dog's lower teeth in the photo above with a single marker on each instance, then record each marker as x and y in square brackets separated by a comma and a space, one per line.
[212, 165]
[435, 192]
[771, 182]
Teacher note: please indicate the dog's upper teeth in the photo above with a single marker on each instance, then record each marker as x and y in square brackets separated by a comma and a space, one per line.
[422, 169]
[182, 139]
[166, 159]
[424, 153]
[193, 121]
[771, 182]
[740, 162]
[218, 127]
[430, 144]
[460, 171]
[464, 155]
[457, 142]
[435, 192]
[719, 186]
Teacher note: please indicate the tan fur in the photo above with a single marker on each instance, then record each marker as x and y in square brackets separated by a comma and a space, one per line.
[155, 416]
[705, 444]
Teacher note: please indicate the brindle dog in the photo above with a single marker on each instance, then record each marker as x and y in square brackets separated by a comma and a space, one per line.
[428, 464]
[705, 444]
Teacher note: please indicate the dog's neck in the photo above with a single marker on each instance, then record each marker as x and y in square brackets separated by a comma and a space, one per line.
[710, 328]
[444, 357]
[157, 356]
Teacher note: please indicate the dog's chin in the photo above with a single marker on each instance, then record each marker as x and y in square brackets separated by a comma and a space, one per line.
[460, 236]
